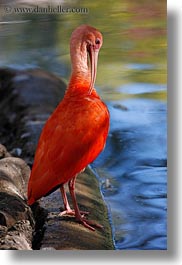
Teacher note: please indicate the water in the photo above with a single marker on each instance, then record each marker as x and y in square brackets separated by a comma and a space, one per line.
[132, 81]
[134, 170]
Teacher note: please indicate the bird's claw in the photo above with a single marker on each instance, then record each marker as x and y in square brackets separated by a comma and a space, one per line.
[89, 223]
[81, 219]
[71, 212]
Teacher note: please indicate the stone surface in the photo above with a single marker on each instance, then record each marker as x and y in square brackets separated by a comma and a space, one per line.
[16, 220]
[3, 152]
[27, 100]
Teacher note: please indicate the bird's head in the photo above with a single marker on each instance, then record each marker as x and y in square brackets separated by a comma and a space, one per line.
[90, 42]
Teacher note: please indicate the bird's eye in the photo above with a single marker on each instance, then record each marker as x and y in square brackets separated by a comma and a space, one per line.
[97, 41]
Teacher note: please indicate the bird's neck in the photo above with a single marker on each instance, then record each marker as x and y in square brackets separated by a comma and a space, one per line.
[80, 76]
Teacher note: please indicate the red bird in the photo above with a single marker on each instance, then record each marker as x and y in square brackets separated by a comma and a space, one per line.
[76, 132]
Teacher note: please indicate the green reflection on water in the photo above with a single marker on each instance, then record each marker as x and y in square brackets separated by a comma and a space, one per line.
[134, 33]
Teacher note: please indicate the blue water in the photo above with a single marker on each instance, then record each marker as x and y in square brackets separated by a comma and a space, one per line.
[134, 174]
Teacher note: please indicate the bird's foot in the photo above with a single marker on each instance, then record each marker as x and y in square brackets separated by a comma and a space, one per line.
[89, 223]
[81, 219]
[71, 212]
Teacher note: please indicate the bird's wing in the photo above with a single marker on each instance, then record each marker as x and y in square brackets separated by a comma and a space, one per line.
[69, 141]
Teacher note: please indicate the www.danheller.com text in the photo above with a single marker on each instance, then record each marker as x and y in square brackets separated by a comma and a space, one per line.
[8, 9]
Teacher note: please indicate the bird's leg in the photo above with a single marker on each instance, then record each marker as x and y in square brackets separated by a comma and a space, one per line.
[78, 215]
[68, 210]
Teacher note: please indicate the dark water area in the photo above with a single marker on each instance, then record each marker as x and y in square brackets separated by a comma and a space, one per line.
[132, 81]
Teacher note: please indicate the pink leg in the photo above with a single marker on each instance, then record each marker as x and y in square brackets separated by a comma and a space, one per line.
[66, 203]
[68, 210]
[78, 215]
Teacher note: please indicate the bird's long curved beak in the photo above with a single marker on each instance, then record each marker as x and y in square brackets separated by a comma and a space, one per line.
[93, 55]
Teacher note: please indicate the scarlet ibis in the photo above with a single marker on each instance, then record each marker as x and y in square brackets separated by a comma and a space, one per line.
[76, 132]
